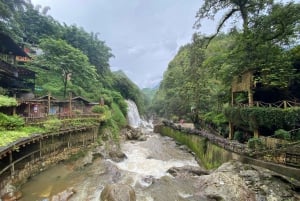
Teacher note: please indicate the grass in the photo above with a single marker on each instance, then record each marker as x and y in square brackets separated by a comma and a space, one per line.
[7, 137]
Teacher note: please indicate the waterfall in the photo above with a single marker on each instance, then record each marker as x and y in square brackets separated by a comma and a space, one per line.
[133, 116]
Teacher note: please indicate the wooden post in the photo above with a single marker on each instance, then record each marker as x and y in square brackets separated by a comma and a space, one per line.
[231, 131]
[256, 133]
[12, 169]
[284, 104]
[70, 104]
[250, 98]
[15, 107]
[49, 102]
[40, 148]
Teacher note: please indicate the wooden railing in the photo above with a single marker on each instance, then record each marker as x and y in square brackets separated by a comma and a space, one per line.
[37, 154]
[287, 155]
[44, 117]
[278, 104]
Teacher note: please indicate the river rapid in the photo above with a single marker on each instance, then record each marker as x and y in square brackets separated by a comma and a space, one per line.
[145, 169]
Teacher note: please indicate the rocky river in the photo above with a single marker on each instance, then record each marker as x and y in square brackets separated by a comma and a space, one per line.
[150, 167]
[159, 169]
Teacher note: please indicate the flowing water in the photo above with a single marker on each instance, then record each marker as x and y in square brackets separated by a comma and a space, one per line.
[145, 169]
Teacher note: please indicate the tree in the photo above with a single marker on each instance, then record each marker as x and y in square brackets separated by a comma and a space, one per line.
[35, 25]
[60, 61]
[96, 50]
[9, 16]
[239, 8]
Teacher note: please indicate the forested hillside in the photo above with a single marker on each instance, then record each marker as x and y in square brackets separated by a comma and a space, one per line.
[200, 76]
[66, 58]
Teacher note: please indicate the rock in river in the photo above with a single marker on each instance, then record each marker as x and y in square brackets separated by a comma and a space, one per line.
[118, 192]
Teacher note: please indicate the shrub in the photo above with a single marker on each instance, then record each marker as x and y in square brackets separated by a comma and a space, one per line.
[10, 122]
[99, 109]
[118, 116]
[256, 117]
[52, 124]
[282, 134]
[255, 143]
[6, 101]
[239, 136]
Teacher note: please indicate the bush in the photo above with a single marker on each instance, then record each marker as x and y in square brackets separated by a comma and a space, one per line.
[6, 101]
[10, 122]
[256, 117]
[282, 134]
[52, 124]
[118, 116]
[239, 136]
[296, 135]
[255, 143]
[99, 109]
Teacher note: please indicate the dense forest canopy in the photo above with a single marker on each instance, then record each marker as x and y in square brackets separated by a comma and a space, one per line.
[66, 58]
[201, 73]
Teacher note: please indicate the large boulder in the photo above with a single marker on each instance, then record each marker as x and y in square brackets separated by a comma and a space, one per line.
[118, 192]
[235, 181]
[224, 186]
[133, 134]
[187, 171]
[64, 195]
[117, 155]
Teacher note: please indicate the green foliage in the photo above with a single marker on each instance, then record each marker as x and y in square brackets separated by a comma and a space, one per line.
[128, 90]
[256, 117]
[10, 122]
[52, 124]
[118, 116]
[217, 119]
[239, 136]
[9, 136]
[282, 134]
[69, 68]
[110, 128]
[255, 143]
[6, 101]
[100, 109]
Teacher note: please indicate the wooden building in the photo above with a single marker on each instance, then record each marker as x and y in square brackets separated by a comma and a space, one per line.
[16, 80]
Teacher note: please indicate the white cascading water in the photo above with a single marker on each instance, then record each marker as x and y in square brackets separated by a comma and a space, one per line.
[151, 158]
[133, 116]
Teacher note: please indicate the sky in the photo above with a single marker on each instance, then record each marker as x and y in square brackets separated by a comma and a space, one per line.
[144, 35]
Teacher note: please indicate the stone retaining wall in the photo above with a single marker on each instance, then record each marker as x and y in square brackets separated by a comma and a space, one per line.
[37, 155]
[209, 156]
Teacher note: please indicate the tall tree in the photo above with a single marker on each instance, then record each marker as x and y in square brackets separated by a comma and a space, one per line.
[9, 17]
[63, 64]
[232, 8]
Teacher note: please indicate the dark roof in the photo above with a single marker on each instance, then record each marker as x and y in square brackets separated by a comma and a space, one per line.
[81, 99]
[46, 98]
[8, 46]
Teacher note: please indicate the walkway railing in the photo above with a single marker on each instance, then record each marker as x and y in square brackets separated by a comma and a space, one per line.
[44, 117]
[278, 104]
[284, 155]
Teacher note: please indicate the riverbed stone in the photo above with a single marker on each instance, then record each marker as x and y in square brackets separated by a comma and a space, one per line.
[186, 171]
[117, 155]
[64, 195]
[118, 192]
[235, 181]
[130, 133]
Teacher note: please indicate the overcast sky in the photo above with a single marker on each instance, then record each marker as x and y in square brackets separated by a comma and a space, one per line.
[144, 34]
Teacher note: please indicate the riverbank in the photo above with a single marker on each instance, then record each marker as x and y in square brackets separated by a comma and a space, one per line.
[213, 150]
[159, 168]
[29, 156]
